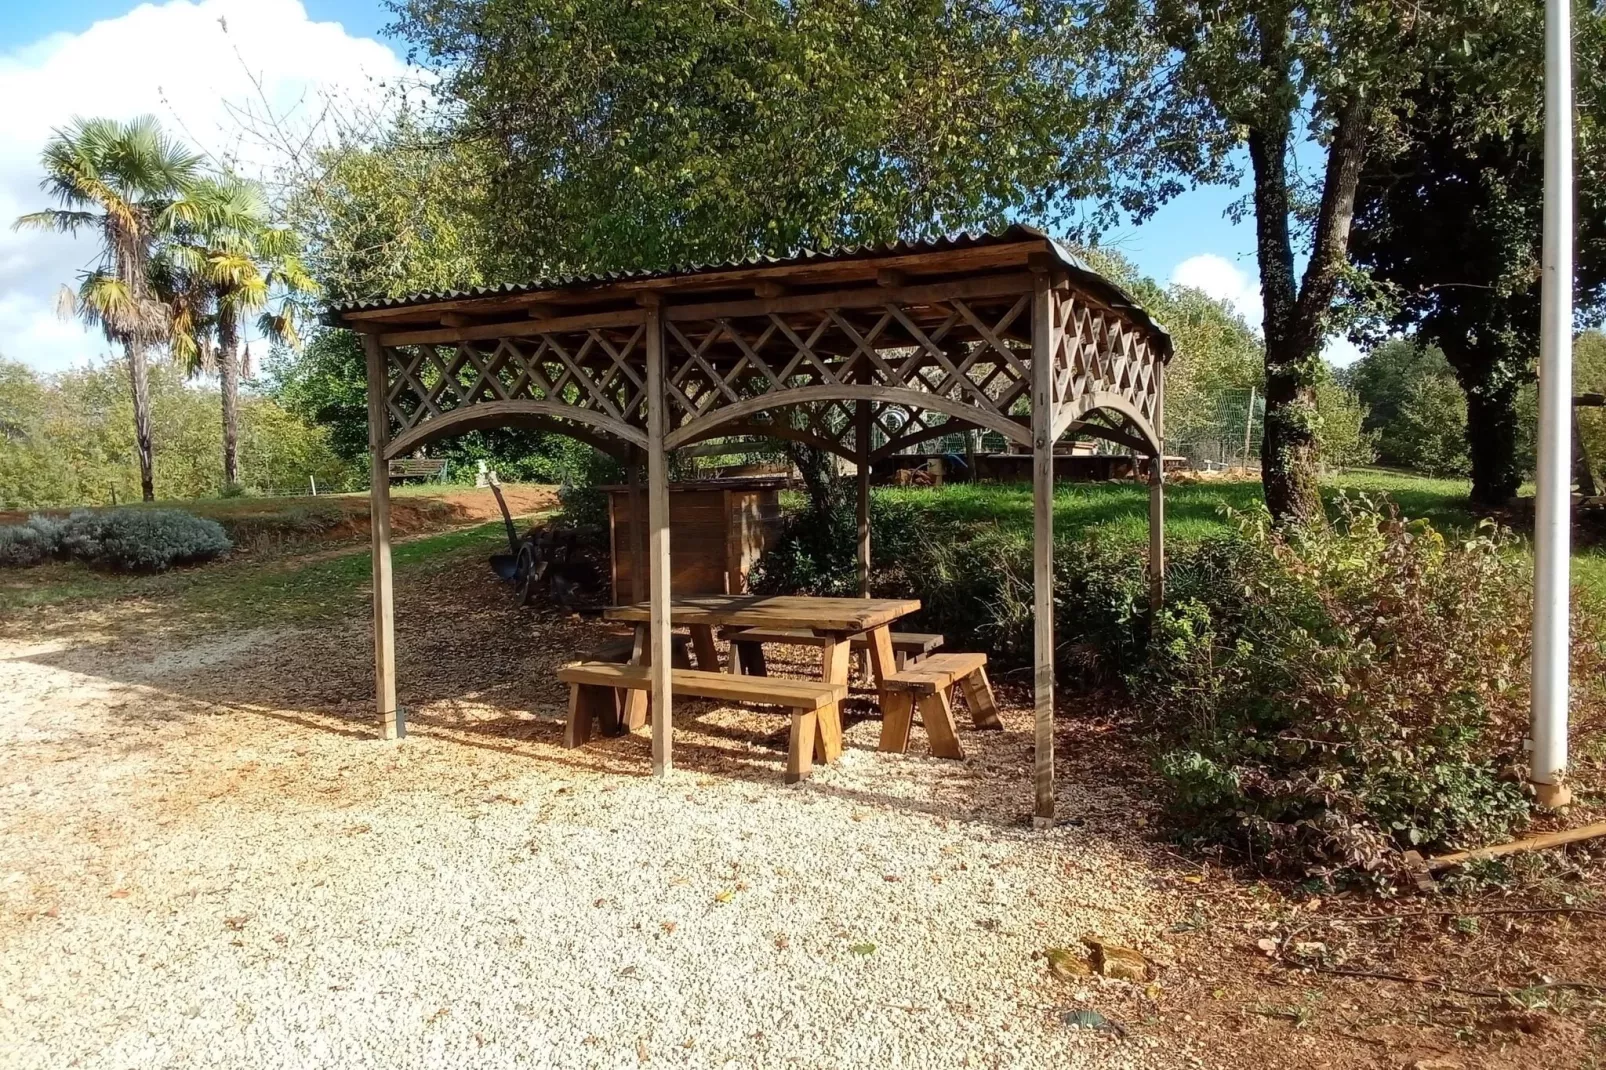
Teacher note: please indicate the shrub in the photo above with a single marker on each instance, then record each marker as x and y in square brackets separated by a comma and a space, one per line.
[143, 540]
[1326, 698]
[31, 543]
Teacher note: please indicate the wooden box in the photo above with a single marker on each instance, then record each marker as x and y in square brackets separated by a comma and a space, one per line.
[717, 529]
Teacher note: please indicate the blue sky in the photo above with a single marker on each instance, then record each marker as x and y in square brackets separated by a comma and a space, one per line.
[61, 59]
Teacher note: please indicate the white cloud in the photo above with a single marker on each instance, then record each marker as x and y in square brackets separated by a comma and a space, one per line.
[1219, 278]
[184, 62]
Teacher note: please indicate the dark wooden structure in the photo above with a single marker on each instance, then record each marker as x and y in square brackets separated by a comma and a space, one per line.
[721, 527]
[1004, 332]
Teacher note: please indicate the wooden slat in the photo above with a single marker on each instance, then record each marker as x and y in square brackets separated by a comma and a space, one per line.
[764, 691]
[849, 615]
[525, 328]
[936, 673]
[902, 642]
[929, 294]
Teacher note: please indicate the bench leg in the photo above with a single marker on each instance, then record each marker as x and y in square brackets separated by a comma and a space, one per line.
[634, 714]
[937, 714]
[749, 657]
[828, 733]
[979, 695]
[586, 703]
[800, 746]
[897, 713]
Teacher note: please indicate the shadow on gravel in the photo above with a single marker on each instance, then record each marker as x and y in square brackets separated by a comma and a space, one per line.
[479, 672]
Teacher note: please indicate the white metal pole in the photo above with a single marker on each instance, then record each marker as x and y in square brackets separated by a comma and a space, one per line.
[1553, 504]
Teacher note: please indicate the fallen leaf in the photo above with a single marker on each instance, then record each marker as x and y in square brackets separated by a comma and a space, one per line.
[1066, 963]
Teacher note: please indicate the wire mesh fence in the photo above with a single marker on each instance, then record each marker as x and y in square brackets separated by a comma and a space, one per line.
[1224, 433]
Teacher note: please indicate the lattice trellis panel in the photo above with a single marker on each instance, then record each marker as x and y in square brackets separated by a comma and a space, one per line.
[595, 371]
[924, 370]
[973, 360]
[1096, 352]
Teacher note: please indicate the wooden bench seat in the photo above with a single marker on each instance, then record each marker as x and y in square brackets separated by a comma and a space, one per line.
[815, 707]
[747, 652]
[927, 685]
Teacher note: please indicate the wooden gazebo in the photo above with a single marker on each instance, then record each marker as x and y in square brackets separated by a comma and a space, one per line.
[863, 352]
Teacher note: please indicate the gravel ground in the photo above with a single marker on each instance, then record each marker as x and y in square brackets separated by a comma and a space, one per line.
[206, 861]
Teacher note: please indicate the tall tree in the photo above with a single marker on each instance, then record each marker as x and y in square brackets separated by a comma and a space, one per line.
[620, 134]
[228, 263]
[125, 181]
[1294, 82]
[1448, 226]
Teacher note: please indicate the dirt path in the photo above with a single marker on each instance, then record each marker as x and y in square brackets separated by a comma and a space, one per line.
[205, 860]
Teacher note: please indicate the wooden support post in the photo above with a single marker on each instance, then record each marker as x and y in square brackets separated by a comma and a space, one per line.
[1157, 497]
[392, 724]
[1043, 547]
[638, 528]
[658, 550]
[1156, 533]
[861, 458]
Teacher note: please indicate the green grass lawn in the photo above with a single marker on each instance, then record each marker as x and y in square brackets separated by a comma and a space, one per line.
[1196, 510]
[334, 581]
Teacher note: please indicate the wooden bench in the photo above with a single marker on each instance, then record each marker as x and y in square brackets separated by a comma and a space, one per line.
[928, 684]
[747, 650]
[594, 687]
[418, 468]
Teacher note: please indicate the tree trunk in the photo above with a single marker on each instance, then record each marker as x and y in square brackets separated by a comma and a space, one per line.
[229, 374]
[1492, 444]
[139, 382]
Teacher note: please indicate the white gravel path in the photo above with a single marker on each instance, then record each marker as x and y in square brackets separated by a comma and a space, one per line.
[189, 883]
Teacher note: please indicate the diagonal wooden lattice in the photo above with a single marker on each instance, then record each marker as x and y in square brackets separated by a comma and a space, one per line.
[594, 371]
[922, 370]
[901, 359]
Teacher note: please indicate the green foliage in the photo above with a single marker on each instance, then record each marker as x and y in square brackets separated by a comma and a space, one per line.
[124, 540]
[69, 440]
[31, 543]
[143, 540]
[1342, 437]
[1328, 697]
[1415, 408]
[1448, 223]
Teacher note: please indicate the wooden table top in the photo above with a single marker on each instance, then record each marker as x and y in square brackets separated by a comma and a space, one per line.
[777, 611]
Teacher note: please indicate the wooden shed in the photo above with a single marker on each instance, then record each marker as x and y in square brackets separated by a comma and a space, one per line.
[721, 527]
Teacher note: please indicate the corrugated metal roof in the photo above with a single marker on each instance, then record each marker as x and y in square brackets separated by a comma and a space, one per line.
[1017, 232]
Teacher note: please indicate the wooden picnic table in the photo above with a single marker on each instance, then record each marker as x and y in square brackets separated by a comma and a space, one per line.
[839, 619]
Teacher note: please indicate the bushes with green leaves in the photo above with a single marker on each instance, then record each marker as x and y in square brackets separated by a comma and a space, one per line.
[1326, 698]
[1317, 700]
[126, 540]
[31, 543]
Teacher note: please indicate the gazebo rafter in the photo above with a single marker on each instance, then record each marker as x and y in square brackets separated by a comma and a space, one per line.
[1005, 333]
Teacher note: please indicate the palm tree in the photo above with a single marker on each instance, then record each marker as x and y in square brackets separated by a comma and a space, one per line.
[226, 263]
[126, 181]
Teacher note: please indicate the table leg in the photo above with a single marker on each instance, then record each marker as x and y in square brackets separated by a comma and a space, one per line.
[635, 702]
[702, 641]
[882, 661]
[837, 661]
